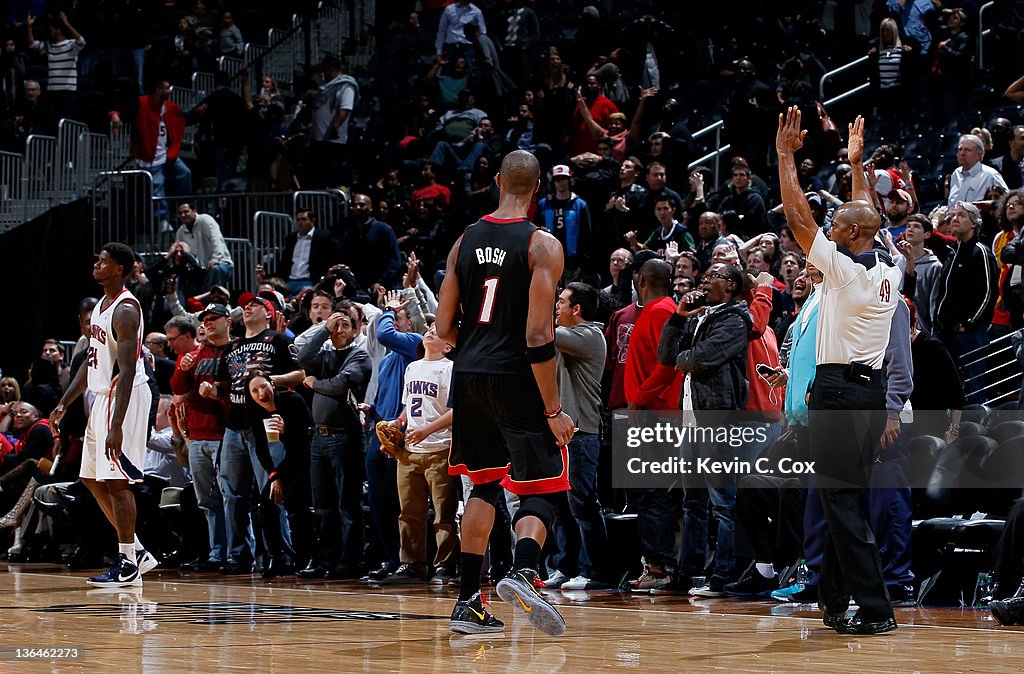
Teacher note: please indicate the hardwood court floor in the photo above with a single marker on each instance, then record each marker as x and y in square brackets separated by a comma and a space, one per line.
[206, 623]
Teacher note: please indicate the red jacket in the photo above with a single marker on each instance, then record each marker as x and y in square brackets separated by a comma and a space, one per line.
[147, 126]
[616, 336]
[649, 384]
[580, 138]
[204, 418]
[762, 347]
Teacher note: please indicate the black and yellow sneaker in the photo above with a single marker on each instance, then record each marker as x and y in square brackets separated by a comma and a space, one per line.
[473, 617]
[518, 589]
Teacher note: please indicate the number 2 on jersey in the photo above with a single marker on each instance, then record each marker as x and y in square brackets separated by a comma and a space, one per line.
[487, 306]
[884, 291]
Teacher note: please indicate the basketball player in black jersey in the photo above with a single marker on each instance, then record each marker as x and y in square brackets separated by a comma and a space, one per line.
[509, 431]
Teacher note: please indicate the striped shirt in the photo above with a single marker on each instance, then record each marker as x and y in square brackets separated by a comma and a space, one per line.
[62, 59]
[889, 68]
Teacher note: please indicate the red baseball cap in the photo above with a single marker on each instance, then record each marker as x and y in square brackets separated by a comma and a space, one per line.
[248, 298]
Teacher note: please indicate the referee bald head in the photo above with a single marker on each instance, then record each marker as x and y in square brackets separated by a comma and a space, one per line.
[854, 226]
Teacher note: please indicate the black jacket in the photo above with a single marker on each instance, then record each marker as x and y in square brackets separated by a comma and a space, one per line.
[322, 254]
[715, 355]
[969, 287]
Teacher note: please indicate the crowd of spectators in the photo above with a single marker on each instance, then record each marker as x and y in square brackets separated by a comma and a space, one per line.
[284, 383]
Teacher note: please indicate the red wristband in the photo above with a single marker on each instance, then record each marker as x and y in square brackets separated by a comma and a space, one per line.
[552, 415]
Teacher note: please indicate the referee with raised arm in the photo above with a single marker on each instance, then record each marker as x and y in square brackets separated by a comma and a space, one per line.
[847, 398]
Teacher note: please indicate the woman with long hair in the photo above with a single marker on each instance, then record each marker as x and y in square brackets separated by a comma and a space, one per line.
[890, 58]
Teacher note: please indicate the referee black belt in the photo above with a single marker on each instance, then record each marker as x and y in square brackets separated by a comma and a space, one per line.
[329, 430]
[855, 372]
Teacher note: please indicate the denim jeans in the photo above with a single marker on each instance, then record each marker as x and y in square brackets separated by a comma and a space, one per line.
[237, 466]
[382, 491]
[657, 511]
[130, 62]
[585, 508]
[960, 343]
[336, 476]
[219, 275]
[201, 461]
[181, 179]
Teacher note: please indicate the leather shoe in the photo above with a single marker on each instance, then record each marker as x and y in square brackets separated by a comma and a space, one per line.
[277, 567]
[833, 620]
[857, 625]
[201, 565]
[235, 568]
[380, 573]
[312, 571]
[344, 572]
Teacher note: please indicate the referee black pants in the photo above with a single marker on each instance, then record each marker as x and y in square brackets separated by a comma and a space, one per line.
[847, 419]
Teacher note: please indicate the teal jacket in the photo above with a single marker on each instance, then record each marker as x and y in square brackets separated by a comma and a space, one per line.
[803, 359]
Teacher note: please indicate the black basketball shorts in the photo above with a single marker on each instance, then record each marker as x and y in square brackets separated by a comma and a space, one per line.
[499, 432]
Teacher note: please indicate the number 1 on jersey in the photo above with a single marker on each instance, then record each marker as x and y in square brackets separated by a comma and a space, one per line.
[487, 306]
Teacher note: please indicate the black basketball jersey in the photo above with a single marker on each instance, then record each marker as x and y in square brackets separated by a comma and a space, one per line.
[494, 286]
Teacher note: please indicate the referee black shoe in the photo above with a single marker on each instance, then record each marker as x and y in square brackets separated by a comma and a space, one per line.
[1008, 611]
[473, 617]
[858, 625]
[833, 620]
[518, 589]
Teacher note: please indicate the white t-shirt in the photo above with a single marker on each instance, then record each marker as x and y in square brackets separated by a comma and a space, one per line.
[857, 304]
[160, 158]
[425, 398]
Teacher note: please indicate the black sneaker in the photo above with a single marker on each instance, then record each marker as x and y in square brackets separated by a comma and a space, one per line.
[518, 589]
[1008, 611]
[474, 617]
[405, 574]
[752, 584]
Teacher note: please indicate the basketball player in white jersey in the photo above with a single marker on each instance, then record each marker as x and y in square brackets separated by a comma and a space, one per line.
[115, 438]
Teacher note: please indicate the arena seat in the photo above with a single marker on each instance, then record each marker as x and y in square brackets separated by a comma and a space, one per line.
[969, 428]
[1005, 430]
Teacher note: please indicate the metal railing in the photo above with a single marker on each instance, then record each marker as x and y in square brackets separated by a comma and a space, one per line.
[998, 357]
[329, 206]
[122, 209]
[983, 33]
[38, 177]
[65, 173]
[244, 256]
[715, 156]
[269, 231]
[11, 190]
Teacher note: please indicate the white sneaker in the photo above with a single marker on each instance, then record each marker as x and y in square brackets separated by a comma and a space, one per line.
[147, 562]
[556, 580]
[577, 583]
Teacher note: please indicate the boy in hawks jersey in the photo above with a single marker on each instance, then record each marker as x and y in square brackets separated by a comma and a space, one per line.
[118, 428]
[428, 421]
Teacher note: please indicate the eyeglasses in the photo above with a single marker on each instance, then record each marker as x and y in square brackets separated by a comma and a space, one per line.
[620, 260]
[1013, 204]
[721, 276]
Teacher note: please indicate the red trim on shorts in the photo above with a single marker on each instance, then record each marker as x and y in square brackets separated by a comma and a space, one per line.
[482, 476]
[501, 221]
[548, 485]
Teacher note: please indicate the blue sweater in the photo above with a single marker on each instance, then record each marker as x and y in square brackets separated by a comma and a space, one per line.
[403, 349]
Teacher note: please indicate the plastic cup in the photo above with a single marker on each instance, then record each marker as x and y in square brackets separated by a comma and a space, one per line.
[272, 434]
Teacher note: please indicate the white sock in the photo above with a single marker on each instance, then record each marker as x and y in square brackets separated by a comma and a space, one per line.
[139, 547]
[128, 550]
[765, 569]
